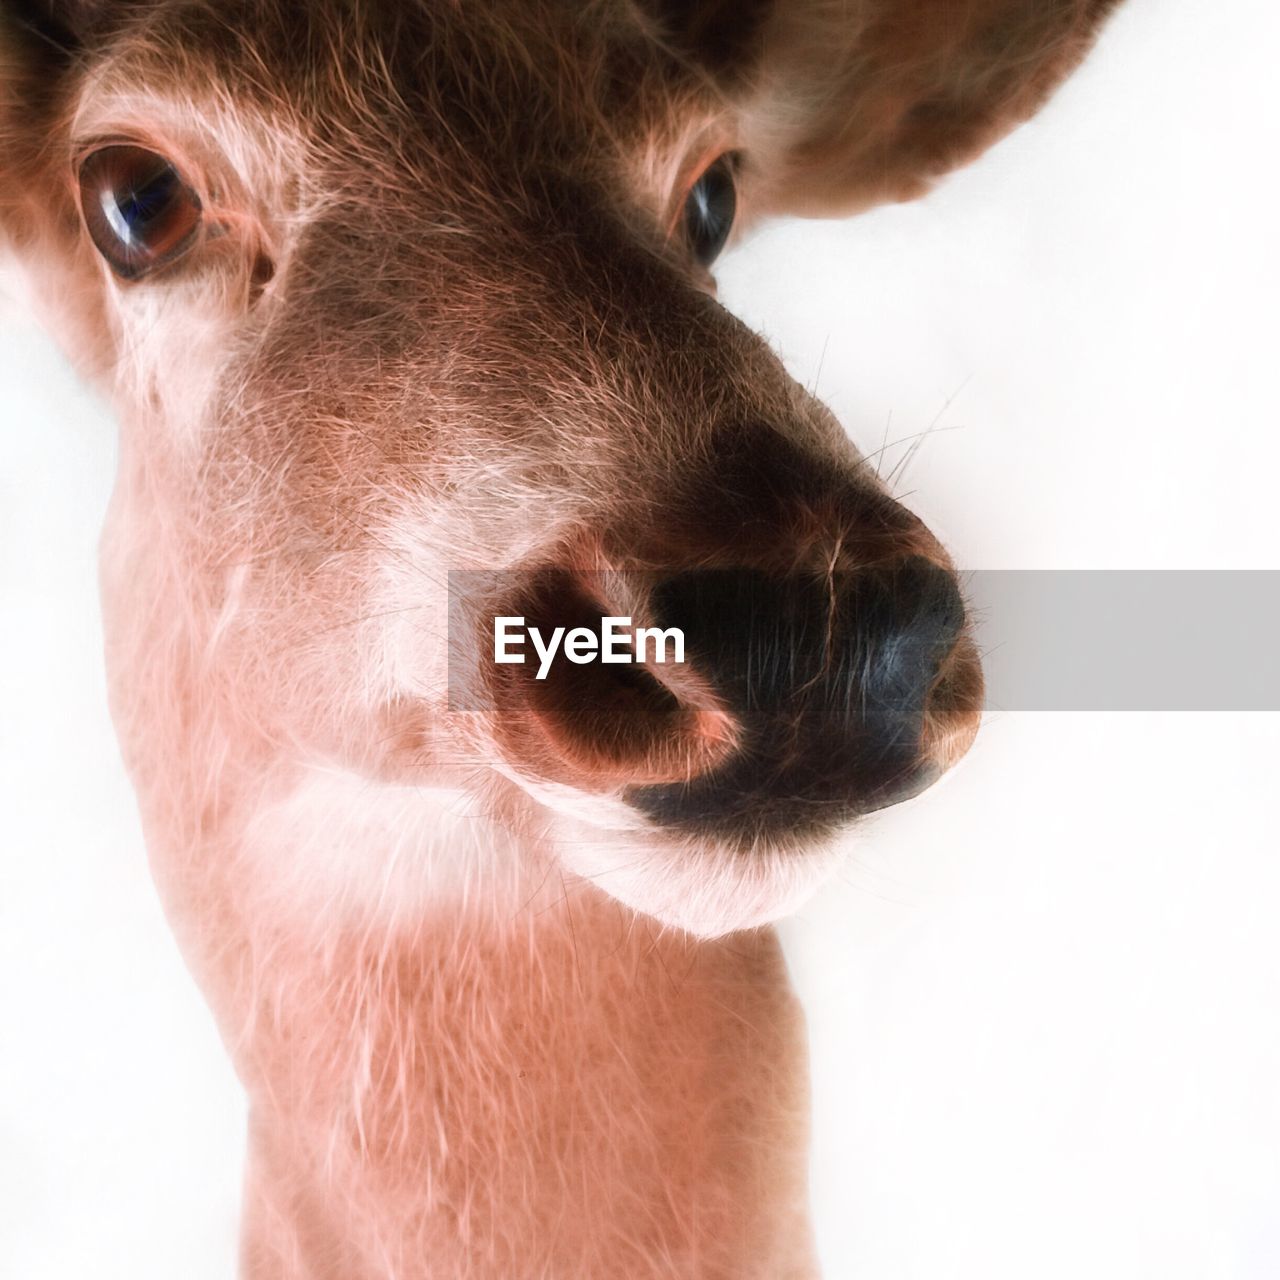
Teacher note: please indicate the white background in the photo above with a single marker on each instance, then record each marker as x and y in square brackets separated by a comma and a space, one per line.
[1044, 998]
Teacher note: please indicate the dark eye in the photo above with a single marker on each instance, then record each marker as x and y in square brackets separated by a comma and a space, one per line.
[709, 210]
[139, 212]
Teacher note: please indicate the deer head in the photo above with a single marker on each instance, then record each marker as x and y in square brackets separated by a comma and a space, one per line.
[388, 291]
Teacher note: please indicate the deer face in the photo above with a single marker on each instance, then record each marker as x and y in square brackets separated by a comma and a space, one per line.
[394, 291]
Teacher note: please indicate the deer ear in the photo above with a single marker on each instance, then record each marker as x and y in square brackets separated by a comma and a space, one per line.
[857, 103]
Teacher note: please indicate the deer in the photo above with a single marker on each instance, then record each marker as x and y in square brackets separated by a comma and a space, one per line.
[406, 311]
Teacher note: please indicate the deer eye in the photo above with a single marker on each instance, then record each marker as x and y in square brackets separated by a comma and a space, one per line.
[138, 211]
[709, 209]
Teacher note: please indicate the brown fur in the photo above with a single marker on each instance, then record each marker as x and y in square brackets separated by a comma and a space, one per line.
[438, 322]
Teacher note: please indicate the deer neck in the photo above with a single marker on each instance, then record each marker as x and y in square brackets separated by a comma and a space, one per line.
[464, 1048]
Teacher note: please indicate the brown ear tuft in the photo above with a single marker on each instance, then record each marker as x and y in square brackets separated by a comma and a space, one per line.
[864, 103]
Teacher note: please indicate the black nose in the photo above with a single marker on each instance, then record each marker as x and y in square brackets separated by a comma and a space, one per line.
[829, 677]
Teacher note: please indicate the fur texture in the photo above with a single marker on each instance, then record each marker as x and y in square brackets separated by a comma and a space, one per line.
[492, 1024]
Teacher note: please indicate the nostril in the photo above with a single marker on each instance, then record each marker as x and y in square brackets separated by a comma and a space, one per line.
[596, 723]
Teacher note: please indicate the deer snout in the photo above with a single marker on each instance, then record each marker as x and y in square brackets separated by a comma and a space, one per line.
[776, 700]
[847, 691]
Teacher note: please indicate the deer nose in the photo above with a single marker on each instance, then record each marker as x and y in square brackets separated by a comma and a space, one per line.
[836, 682]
